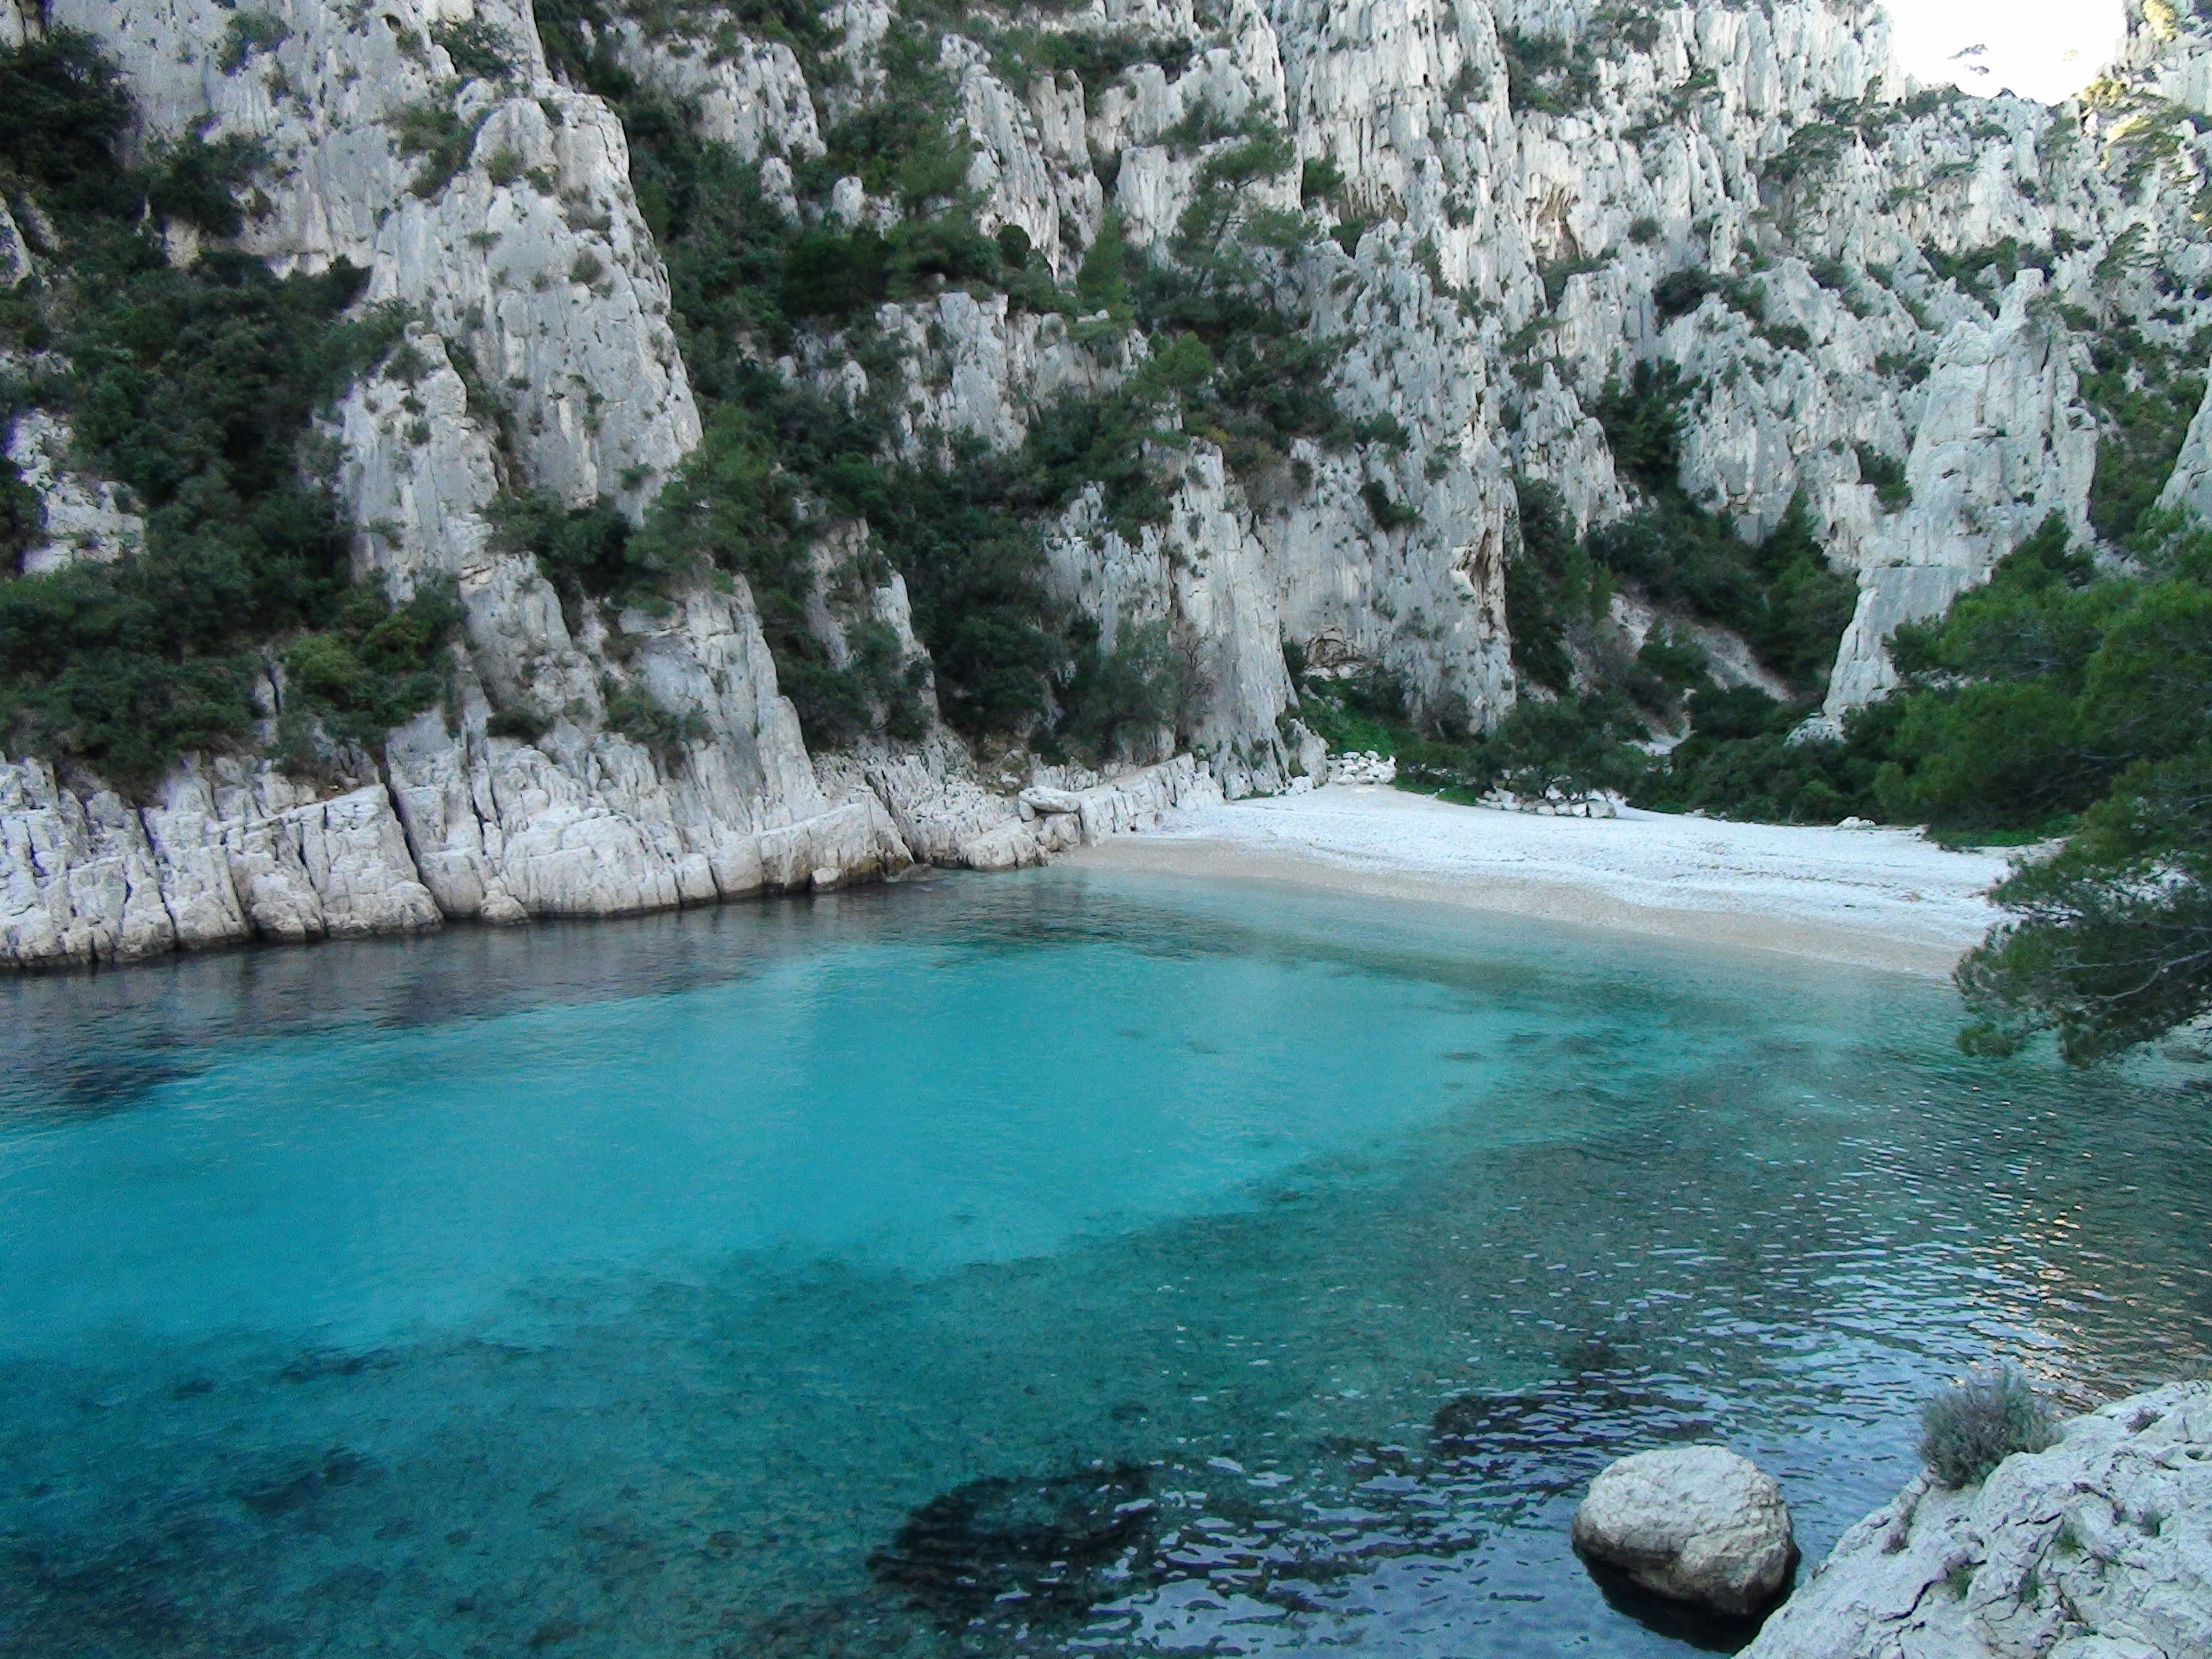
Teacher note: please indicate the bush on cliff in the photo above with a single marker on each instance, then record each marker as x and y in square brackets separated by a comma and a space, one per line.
[193, 388]
[1965, 1431]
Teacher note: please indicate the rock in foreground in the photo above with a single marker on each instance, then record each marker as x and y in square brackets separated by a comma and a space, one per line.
[2098, 1548]
[1698, 1523]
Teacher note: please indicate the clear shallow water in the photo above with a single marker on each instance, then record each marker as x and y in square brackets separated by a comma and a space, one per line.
[1043, 1263]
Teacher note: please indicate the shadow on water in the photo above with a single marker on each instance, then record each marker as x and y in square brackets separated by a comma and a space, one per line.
[1678, 1622]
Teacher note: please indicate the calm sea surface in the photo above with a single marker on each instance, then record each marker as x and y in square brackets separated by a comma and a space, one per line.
[1049, 1263]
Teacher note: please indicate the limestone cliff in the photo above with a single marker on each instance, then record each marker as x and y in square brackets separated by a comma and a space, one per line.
[1881, 302]
[2091, 1550]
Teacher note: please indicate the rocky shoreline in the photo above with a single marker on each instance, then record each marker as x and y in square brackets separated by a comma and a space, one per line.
[2099, 1546]
[233, 852]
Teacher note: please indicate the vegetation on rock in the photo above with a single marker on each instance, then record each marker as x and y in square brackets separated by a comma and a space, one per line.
[193, 387]
[1965, 1431]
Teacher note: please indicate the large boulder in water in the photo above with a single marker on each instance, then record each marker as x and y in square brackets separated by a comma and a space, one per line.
[2100, 1547]
[1698, 1523]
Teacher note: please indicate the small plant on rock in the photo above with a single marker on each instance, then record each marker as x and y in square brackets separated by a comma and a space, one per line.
[1968, 1431]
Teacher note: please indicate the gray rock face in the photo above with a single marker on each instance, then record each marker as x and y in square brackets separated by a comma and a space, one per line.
[2098, 1548]
[1698, 1523]
[1494, 264]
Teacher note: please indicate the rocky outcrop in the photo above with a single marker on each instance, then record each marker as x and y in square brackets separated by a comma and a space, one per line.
[1700, 1524]
[2094, 1549]
[1523, 202]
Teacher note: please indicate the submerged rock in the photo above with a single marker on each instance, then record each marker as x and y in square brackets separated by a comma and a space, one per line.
[1056, 1545]
[1698, 1523]
[2098, 1548]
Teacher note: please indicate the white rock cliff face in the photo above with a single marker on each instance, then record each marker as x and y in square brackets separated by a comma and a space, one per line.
[1499, 235]
[2095, 1549]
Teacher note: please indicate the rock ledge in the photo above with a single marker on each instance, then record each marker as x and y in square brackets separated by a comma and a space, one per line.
[2098, 1548]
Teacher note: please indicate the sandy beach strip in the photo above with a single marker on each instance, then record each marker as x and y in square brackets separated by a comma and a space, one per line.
[1878, 898]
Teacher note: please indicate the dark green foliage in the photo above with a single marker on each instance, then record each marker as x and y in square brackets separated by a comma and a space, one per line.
[1388, 514]
[192, 182]
[479, 51]
[1095, 56]
[22, 517]
[1887, 474]
[2001, 260]
[1102, 282]
[1739, 761]
[440, 136]
[1546, 72]
[1682, 292]
[1224, 365]
[2145, 398]
[1811, 151]
[2020, 714]
[1682, 558]
[585, 551]
[1321, 179]
[1549, 588]
[193, 388]
[1968, 1431]
[374, 666]
[1780, 596]
[836, 278]
[63, 112]
[2112, 945]
[1555, 273]
[902, 144]
[524, 724]
[1674, 663]
[248, 32]
[2052, 696]
[1643, 422]
[1115, 701]
[650, 723]
[1808, 604]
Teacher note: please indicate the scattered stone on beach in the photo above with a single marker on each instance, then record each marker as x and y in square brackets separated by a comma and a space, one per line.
[1700, 1524]
[2100, 1547]
[1356, 766]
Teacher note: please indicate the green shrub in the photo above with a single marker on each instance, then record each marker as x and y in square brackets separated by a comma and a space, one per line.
[480, 50]
[1642, 421]
[1546, 72]
[248, 32]
[524, 724]
[2144, 399]
[651, 724]
[64, 110]
[1968, 1431]
[194, 388]
[1887, 474]
[1388, 513]
[1682, 292]
[1549, 587]
[440, 137]
[1114, 697]
[584, 552]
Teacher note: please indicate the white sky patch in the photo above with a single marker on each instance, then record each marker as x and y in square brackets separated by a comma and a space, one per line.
[2046, 49]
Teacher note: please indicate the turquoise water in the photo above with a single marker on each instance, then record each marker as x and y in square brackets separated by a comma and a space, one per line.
[1048, 1263]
